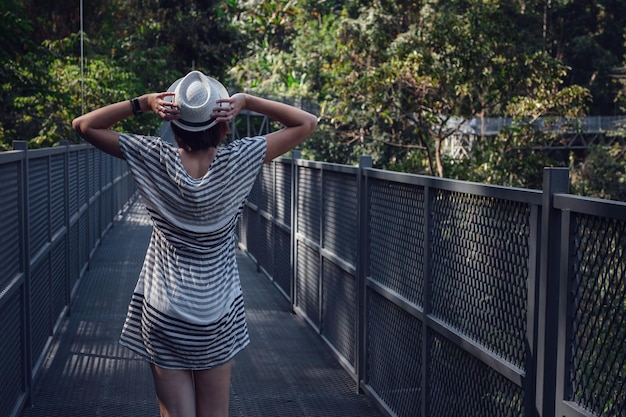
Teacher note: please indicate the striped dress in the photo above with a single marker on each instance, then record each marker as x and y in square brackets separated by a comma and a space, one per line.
[187, 309]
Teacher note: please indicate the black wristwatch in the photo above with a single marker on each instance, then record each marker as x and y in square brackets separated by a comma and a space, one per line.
[134, 103]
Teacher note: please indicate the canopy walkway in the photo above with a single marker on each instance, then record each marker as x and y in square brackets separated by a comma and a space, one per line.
[285, 371]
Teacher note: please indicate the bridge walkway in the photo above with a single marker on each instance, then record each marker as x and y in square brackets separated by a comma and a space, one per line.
[286, 371]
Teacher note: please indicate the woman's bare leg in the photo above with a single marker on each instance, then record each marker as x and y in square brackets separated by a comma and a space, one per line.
[213, 391]
[175, 392]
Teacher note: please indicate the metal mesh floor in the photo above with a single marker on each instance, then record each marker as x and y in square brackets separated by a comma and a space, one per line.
[286, 370]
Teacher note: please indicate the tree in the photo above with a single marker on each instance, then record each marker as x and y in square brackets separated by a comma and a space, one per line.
[516, 156]
[390, 76]
[392, 79]
[26, 85]
[601, 174]
[435, 65]
[587, 36]
[130, 47]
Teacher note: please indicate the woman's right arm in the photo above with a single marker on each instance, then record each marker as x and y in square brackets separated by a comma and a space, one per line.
[298, 123]
[95, 126]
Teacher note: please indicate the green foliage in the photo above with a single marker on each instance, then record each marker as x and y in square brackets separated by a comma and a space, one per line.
[516, 156]
[269, 67]
[130, 47]
[392, 78]
[601, 174]
[21, 73]
[42, 114]
[588, 37]
[390, 75]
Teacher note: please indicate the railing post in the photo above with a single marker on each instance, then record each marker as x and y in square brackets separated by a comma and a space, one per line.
[274, 221]
[429, 198]
[534, 255]
[295, 155]
[362, 257]
[555, 180]
[566, 318]
[66, 207]
[20, 145]
[320, 258]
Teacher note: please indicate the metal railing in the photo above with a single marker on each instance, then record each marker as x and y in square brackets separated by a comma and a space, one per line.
[56, 204]
[488, 126]
[443, 297]
[569, 134]
[439, 297]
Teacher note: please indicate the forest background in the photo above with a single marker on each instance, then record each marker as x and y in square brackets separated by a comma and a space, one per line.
[385, 76]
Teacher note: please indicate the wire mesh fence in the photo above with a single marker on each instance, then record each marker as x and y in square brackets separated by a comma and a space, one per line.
[442, 298]
[55, 204]
[439, 297]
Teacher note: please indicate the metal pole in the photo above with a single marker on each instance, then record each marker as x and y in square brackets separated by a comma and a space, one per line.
[362, 256]
[82, 65]
[27, 328]
[555, 180]
[293, 251]
[429, 198]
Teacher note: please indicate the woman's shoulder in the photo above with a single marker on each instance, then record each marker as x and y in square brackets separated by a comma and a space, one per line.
[134, 143]
[242, 154]
[247, 141]
[136, 138]
[245, 144]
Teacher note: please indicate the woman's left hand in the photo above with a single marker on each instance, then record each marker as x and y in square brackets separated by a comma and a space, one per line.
[229, 108]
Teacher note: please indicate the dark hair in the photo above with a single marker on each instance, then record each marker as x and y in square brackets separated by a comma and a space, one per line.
[204, 139]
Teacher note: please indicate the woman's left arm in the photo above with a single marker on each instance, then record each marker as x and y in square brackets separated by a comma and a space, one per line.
[94, 126]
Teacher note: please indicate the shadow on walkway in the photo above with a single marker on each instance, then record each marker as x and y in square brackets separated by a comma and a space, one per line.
[286, 371]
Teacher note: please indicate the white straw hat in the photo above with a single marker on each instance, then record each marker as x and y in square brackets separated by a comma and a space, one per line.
[196, 96]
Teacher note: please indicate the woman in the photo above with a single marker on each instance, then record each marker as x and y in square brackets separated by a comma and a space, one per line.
[186, 316]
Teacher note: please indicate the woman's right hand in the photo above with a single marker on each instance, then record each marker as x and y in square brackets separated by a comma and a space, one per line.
[165, 109]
